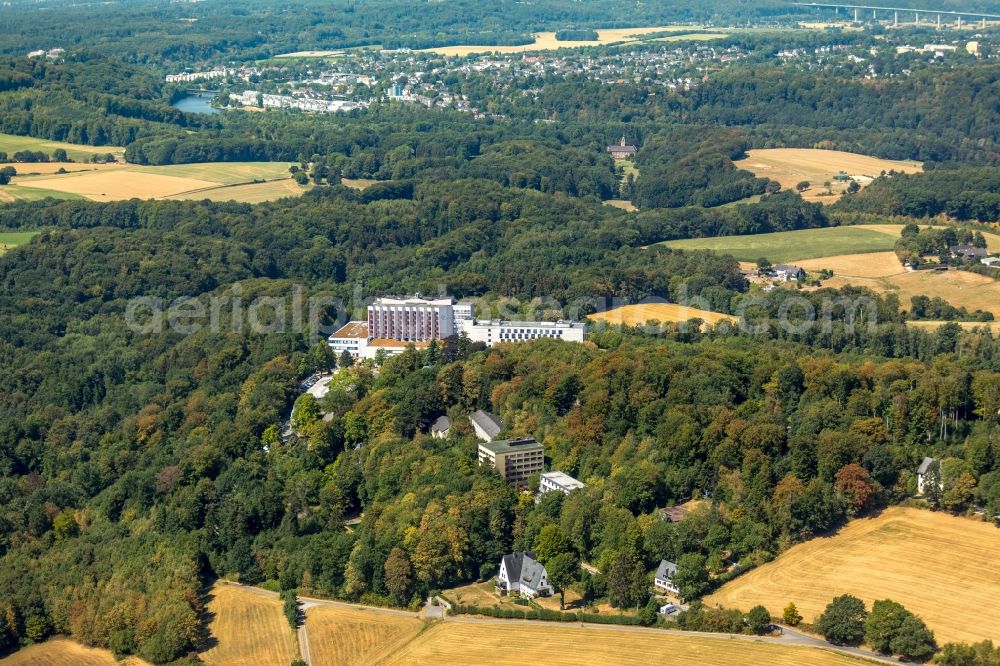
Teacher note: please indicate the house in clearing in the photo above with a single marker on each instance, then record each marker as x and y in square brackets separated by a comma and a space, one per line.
[663, 580]
[621, 151]
[788, 273]
[521, 574]
[486, 425]
[925, 469]
[441, 427]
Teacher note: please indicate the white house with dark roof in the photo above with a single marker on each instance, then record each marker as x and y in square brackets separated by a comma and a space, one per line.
[486, 425]
[521, 574]
[441, 427]
[922, 472]
[663, 580]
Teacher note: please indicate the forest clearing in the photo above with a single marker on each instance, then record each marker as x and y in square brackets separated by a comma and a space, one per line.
[791, 166]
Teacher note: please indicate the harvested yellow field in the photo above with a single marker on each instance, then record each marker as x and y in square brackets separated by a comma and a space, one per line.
[248, 628]
[640, 313]
[339, 636]
[257, 181]
[790, 166]
[940, 567]
[546, 41]
[249, 193]
[960, 288]
[64, 652]
[693, 37]
[118, 185]
[478, 642]
[867, 265]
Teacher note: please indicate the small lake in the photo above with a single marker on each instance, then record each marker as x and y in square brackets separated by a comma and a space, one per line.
[195, 104]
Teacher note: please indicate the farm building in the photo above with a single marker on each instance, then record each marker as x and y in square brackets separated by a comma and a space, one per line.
[521, 574]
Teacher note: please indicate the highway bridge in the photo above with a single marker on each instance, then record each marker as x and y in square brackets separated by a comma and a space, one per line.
[894, 12]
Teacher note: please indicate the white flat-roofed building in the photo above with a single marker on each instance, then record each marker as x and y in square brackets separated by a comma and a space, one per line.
[558, 482]
[462, 312]
[411, 319]
[495, 331]
[351, 337]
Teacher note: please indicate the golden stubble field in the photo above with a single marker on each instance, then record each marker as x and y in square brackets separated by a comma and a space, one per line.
[959, 288]
[248, 628]
[518, 643]
[790, 166]
[940, 567]
[640, 313]
[339, 636]
[64, 652]
[882, 272]
[546, 41]
[251, 182]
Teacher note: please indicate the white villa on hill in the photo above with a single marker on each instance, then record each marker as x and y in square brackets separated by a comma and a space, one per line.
[663, 581]
[520, 573]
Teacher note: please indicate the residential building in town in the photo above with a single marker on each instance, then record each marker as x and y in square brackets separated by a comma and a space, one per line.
[413, 319]
[558, 482]
[486, 425]
[520, 573]
[514, 459]
[663, 580]
[496, 331]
